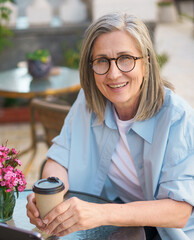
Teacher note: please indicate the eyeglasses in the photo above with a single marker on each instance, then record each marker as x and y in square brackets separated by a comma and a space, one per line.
[124, 63]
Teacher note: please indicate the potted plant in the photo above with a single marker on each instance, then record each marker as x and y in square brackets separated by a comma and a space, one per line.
[39, 63]
[72, 55]
[11, 179]
[5, 32]
[164, 3]
[166, 11]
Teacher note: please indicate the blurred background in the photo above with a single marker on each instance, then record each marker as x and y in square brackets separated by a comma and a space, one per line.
[59, 26]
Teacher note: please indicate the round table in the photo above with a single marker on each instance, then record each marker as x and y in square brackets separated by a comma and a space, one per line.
[21, 220]
[17, 83]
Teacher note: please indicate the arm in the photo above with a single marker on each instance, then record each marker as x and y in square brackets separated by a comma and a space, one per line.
[157, 213]
[51, 168]
[74, 215]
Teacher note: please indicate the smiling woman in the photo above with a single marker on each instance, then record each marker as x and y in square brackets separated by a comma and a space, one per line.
[128, 136]
[121, 81]
[137, 43]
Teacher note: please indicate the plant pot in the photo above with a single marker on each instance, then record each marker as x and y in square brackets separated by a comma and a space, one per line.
[38, 69]
[7, 204]
[167, 13]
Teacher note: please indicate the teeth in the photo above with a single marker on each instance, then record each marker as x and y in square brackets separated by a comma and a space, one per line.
[118, 85]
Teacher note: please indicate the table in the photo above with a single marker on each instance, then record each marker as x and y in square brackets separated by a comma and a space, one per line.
[21, 220]
[17, 83]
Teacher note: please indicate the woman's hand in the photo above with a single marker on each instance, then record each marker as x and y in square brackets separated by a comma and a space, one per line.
[33, 213]
[74, 215]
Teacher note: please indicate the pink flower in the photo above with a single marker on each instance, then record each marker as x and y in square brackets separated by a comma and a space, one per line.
[18, 161]
[2, 183]
[10, 177]
[21, 188]
[14, 151]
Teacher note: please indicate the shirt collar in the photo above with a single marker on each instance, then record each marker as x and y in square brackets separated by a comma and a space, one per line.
[145, 129]
[108, 117]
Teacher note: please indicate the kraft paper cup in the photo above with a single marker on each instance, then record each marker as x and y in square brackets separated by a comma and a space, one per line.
[48, 194]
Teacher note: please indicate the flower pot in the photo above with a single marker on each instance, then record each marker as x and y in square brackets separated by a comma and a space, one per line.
[167, 13]
[38, 69]
[7, 204]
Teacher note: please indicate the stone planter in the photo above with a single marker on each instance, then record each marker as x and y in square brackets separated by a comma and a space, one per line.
[167, 14]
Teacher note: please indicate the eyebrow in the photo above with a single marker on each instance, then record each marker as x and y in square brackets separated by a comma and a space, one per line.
[119, 53]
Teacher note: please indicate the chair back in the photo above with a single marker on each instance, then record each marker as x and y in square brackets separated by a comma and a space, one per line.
[51, 115]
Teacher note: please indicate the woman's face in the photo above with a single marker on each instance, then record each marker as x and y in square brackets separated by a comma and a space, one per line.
[121, 88]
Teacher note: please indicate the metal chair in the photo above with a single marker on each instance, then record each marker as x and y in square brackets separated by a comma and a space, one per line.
[51, 115]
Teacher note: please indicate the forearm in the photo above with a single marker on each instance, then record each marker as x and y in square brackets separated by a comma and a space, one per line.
[158, 213]
[54, 169]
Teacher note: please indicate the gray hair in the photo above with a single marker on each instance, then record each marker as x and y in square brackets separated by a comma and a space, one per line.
[152, 89]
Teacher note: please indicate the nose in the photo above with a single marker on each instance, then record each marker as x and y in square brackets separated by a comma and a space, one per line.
[113, 72]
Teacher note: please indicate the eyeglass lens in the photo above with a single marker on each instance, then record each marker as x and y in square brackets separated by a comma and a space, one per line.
[124, 63]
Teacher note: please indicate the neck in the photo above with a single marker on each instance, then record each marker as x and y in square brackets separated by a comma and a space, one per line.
[127, 112]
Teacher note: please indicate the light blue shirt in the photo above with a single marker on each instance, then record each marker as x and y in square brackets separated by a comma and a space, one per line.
[162, 148]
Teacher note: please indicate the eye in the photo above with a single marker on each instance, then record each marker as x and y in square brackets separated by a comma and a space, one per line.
[101, 61]
[125, 58]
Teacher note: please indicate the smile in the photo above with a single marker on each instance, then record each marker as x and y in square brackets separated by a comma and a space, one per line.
[118, 85]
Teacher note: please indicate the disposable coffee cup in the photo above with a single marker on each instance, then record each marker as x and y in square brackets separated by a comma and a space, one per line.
[48, 194]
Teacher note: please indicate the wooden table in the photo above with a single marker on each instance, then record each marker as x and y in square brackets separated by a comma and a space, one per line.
[21, 220]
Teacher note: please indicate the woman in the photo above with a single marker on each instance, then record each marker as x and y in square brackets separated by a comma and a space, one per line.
[128, 136]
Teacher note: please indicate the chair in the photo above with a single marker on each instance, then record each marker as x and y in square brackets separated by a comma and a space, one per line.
[51, 115]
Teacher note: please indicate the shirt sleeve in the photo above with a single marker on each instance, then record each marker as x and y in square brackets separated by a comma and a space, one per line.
[177, 174]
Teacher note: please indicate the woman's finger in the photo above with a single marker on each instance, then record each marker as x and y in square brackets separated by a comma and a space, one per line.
[66, 224]
[31, 205]
[56, 212]
[68, 231]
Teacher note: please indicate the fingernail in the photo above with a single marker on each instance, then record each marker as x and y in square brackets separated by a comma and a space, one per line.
[45, 221]
[39, 223]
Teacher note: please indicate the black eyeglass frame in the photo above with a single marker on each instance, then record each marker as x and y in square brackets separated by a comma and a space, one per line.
[115, 59]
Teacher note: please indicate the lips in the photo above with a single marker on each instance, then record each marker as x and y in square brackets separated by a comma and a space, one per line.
[117, 85]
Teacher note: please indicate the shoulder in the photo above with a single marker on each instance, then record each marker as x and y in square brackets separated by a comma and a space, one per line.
[176, 119]
[79, 105]
[176, 108]
[79, 113]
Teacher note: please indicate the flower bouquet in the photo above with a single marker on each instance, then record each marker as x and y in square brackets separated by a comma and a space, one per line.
[10, 179]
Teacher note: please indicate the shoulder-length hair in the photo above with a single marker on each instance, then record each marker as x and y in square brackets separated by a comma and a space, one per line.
[152, 89]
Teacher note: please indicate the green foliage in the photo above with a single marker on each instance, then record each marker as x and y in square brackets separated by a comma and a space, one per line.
[165, 3]
[162, 59]
[4, 1]
[5, 33]
[40, 54]
[72, 55]
[187, 16]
